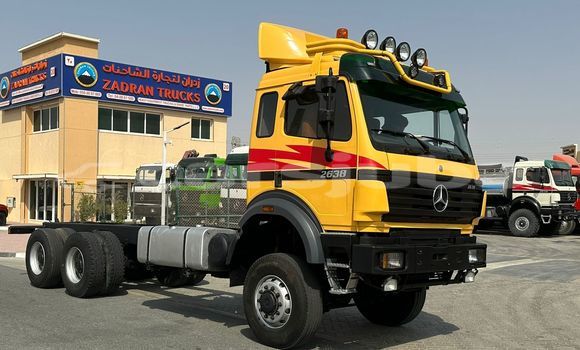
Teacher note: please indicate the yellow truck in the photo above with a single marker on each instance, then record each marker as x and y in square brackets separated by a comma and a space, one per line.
[361, 190]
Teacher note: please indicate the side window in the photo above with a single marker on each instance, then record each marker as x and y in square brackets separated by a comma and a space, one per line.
[267, 114]
[536, 174]
[519, 174]
[301, 116]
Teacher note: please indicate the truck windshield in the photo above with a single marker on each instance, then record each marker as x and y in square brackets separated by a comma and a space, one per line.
[562, 177]
[405, 125]
[148, 176]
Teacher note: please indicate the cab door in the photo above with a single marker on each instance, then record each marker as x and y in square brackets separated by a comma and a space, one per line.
[326, 185]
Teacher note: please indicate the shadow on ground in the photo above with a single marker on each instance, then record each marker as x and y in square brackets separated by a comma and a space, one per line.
[342, 328]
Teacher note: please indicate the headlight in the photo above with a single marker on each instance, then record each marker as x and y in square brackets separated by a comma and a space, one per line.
[389, 44]
[392, 260]
[476, 256]
[403, 51]
[370, 39]
[419, 58]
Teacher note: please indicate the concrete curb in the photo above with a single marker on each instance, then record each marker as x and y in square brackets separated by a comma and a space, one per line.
[13, 255]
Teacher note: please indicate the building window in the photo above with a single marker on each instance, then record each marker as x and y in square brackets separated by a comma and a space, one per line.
[134, 122]
[43, 200]
[201, 129]
[45, 119]
[113, 198]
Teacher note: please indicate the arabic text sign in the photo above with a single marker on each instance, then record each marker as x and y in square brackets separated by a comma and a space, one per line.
[118, 82]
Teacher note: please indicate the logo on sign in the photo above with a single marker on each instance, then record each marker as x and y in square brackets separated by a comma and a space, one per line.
[4, 87]
[86, 74]
[213, 94]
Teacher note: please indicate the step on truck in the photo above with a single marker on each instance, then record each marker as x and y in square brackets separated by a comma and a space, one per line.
[362, 190]
[531, 197]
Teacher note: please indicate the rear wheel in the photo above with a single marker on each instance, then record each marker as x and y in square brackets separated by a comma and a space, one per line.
[282, 300]
[114, 261]
[83, 268]
[389, 309]
[565, 227]
[524, 223]
[43, 257]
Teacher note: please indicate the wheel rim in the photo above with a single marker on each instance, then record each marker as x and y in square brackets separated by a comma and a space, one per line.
[75, 265]
[522, 223]
[273, 302]
[37, 258]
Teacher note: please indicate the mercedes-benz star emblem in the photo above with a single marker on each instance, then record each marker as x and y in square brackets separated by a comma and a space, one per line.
[440, 198]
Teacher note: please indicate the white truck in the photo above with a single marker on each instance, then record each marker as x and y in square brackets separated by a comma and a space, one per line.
[530, 196]
[146, 193]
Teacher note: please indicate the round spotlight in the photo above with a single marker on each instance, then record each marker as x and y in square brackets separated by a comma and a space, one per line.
[370, 39]
[389, 44]
[403, 51]
[413, 71]
[419, 58]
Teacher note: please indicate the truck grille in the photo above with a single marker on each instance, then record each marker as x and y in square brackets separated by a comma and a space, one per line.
[410, 197]
[568, 197]
[147, 198]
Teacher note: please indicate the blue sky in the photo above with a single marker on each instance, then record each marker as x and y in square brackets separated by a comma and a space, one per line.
[514, 61]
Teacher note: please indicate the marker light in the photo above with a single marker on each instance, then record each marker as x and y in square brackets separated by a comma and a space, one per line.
[342, 33]
[389, 44]
[403, 51]
[419, 58]
[370, 39]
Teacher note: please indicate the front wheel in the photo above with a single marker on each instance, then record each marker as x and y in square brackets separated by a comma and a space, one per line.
[388, 309]
[524, 223]
[282, 300]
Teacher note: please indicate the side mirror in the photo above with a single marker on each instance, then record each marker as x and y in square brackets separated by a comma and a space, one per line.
[544, 178]
[172, 175]
[326, 90]
[463, 117]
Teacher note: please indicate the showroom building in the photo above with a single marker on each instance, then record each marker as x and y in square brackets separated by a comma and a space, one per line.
[71, 122]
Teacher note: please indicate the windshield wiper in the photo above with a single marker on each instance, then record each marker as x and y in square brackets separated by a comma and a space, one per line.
[422, 143]
[449, 142]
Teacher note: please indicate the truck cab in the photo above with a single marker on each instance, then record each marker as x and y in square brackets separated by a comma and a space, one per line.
[531, 196]
[575, 172]
[146, 192]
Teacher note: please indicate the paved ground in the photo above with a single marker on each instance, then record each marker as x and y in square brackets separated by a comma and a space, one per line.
[528, 298]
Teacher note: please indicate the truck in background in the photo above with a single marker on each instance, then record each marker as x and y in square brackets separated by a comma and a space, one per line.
[362, 190]
[530, 196]
[146, 193]
[571, 155]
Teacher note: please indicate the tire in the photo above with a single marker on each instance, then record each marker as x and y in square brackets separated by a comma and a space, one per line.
[524, 223]
[565, 227]
[389, 309]
[114, 262]
[3, 218]
[175, 277]
[294, 287]
[83, 266]
[64, 233]
[43, 258]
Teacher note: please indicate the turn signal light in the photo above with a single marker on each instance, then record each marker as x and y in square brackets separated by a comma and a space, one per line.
[342, 33]
[392, 260]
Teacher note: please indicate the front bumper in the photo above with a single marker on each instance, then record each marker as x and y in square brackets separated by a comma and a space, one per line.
[560, 213]
[421, 256]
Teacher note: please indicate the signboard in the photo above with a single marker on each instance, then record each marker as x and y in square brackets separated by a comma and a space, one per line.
[118, 82]
[31, 83]
[570, 150]
[76, 76]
